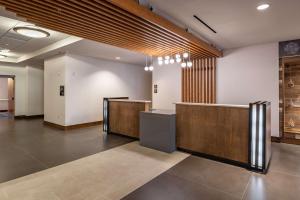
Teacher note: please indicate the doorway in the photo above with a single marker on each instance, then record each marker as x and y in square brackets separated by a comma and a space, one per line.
[7, 97]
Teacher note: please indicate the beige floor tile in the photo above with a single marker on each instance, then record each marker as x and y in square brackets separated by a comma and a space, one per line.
[107, 175]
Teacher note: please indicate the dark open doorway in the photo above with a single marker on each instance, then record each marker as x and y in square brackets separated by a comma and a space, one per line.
[7, 96]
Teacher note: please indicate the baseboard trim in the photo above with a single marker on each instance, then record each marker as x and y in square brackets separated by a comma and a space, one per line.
[29, 116]
[290, 141]
[76, 126]
[285, 140]
[276, 139]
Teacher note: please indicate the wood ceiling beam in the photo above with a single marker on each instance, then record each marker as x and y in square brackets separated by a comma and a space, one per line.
[105, 22]
[133, 7]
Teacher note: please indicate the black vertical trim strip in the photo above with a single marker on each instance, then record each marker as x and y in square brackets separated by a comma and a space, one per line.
[106, 127]
[264, 136]
[250, 135]
[257, 135]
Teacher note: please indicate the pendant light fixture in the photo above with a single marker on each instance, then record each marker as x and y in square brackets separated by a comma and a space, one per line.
[178, 58]
[189, 63]
[151, 65]
[172, 61]
[185, 55]
[146, 68]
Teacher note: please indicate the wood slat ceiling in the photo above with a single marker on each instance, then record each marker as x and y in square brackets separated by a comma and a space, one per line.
[121, 23]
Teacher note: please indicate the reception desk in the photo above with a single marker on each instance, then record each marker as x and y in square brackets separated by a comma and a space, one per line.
[124, 114]
[236, 134]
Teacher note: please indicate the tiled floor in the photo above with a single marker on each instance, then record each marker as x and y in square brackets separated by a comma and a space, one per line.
[107, 175]
[27, 146]
[198, 178]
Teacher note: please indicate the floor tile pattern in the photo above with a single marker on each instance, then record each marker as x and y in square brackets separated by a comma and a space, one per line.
[28, 146]
[108, 175]
[199, 178]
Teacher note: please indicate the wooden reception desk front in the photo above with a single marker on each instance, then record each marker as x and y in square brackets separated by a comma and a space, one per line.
[232, 133]
[124, 116]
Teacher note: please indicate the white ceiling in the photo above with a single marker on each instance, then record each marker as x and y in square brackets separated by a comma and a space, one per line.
[97, 50]
[26, 50]
[20, 45]
[237, 22]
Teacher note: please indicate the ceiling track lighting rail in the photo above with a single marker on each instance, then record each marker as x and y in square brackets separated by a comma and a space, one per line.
[205, 24]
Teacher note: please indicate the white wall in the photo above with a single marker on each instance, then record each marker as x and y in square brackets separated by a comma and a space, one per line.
[250, 74]
[87, 81]
[35, 91]
[54, 76]
[168, 80]
[3, 93]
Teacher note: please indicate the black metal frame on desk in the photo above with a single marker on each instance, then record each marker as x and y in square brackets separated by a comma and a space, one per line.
[106, 112]
[258, 158]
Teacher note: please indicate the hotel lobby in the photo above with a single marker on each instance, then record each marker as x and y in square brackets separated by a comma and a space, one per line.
[149, 100]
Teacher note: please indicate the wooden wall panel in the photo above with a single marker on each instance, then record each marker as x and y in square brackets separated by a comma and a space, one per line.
[199, 81]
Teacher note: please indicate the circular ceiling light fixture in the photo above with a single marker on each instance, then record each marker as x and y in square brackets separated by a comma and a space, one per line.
[31, 31]
[263, 6]
[117, 58]
[2, 56]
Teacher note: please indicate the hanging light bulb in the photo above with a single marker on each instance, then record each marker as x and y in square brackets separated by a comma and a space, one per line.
[167, 57]
[146, 68]
[160, 62]
[185, 55]
[183, 65]
[151, 68]
[166, 62]
[177, 56]
[189, 64]
[172, 60]
[178, 60]
[160, 58]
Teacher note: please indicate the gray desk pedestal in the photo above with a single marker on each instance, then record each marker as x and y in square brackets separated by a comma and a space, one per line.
[157, 130]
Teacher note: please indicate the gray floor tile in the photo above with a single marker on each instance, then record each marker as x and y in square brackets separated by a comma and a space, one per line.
[273, 186]
[223, 177]
[28, 146]
[170, 187]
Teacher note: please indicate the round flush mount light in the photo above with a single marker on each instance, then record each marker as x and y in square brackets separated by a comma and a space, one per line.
[118, 58]
[263, 6]
[31, 31]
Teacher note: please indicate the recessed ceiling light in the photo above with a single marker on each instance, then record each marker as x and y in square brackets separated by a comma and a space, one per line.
[118, 58]
[2, 56]
[263, 6]
[31, 31]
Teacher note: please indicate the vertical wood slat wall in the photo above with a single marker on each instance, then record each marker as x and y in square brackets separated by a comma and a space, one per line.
[199, 81]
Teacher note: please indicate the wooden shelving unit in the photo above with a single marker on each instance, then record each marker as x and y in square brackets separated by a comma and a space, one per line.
[289, 75]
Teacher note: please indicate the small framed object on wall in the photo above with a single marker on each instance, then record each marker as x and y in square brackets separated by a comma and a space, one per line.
[155, 88]
[61, 90]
